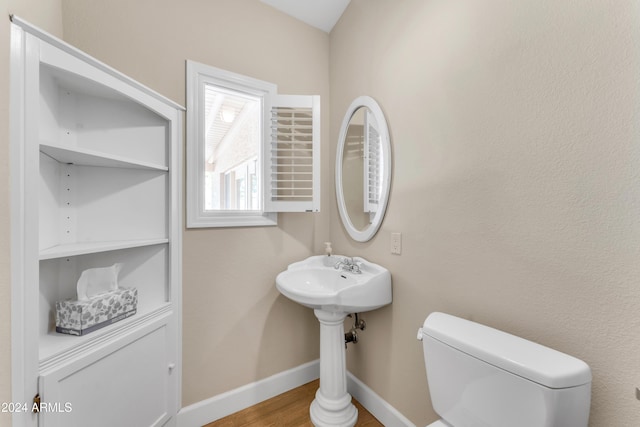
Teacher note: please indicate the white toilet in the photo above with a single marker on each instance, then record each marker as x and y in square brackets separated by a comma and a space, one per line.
[482, 377]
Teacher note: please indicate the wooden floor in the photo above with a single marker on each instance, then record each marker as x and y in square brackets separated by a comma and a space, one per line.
[290, 409]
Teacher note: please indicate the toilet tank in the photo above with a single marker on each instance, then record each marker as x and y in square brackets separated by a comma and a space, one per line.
[481, 377]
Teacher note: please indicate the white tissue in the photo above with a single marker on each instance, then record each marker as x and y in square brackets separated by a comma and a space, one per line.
[96, 281]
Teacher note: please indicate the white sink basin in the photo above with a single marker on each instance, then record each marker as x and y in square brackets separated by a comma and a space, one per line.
[317, 286]
[333, 293]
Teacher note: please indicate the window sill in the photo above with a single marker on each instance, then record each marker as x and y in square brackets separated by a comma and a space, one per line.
[222, 220]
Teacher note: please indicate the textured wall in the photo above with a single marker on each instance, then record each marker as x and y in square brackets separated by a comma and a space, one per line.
[48, 16]
[237, 328]
[515, 134]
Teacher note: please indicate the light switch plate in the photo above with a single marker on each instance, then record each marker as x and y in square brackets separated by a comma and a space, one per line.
[396, 243]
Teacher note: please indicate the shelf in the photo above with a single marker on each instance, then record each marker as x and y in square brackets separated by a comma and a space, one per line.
[56, 347]
[83, 157]
[74, 249]
[98, 172]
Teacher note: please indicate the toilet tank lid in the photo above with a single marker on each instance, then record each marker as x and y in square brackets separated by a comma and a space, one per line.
[526, 359]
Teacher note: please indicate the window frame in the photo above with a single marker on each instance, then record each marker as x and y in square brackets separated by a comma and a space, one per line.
[197, 76]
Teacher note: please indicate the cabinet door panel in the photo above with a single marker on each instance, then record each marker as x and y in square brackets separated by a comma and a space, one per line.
[126, 386]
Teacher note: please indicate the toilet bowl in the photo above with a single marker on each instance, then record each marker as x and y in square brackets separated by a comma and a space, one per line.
[480, 376]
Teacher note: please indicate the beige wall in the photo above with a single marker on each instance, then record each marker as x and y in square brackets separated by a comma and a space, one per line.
[515, 129]
[237, 328]
[48, 16]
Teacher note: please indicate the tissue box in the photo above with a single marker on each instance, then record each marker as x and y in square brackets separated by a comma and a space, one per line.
[82, 317]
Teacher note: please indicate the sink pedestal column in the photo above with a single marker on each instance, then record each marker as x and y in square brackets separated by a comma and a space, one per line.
[332, 405]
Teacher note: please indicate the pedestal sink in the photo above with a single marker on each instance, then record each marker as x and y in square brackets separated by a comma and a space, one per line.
[334, 287]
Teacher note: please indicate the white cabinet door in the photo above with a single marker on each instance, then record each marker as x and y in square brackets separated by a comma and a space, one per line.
[129, 385]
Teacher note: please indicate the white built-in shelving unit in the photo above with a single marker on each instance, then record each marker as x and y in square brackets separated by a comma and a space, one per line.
[96, 175]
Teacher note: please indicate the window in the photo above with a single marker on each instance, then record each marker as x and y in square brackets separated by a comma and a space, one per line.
[250, 152]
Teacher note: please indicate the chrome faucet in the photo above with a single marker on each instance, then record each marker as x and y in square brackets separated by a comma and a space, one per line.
[348, 264]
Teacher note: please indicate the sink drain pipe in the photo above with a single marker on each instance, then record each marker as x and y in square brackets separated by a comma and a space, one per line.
[352, 335]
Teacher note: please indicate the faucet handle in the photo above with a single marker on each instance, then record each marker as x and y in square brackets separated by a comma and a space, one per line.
[356, 267]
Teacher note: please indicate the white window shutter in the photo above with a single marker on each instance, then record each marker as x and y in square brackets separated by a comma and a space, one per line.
[292, 181]
[372, 164]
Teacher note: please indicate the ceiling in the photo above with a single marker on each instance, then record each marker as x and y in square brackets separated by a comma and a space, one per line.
[322, 14]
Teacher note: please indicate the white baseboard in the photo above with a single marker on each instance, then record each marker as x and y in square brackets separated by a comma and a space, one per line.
[376, 405]
[232, 401]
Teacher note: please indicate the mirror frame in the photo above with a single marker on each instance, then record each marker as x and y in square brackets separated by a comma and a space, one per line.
[368, 233]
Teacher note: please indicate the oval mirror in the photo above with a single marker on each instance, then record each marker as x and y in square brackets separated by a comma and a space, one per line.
[363, 168]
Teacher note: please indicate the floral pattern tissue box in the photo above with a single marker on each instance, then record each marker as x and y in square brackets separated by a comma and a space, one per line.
[82, 317]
